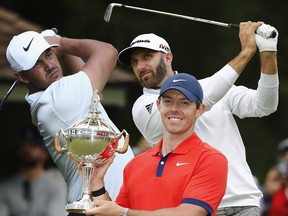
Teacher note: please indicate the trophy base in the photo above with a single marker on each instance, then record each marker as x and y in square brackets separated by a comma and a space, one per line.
[79, 207]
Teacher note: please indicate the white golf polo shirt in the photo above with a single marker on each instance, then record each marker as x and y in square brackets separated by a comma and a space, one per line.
[62, 104]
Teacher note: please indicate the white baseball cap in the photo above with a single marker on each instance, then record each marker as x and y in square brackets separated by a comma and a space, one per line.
[24, 50]
[148, 41]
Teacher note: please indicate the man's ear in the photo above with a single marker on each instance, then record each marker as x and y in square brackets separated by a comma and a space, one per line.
[200, 110]
[158, 103]
[169, 57]
[21, 77]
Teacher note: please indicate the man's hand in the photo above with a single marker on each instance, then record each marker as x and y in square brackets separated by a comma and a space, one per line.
[105, 208]
[49, 32]
[264, 40]
[247, 38]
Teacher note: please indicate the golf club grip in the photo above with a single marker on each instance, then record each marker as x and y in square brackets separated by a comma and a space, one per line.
[233, 26]
[236, 26]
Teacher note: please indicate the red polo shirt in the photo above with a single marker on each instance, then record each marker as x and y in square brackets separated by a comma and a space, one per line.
[193, 173]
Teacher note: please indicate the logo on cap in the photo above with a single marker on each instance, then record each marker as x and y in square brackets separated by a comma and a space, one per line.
[140, 41]
[27, 48]
[164, 47]
[179, 80]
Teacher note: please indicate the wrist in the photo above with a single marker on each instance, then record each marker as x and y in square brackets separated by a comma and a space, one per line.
[247, 53]
[98, 192]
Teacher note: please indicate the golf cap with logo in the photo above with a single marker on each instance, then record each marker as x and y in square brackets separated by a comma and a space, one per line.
[24, 50]
[187, 84]
[148, 41]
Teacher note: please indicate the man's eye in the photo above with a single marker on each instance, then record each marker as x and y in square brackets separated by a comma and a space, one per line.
[49, 53]
[133, 62]
[166, 101]
[185, 103]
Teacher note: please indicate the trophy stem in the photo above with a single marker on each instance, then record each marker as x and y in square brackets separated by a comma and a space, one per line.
[88, 170]
[86, 202]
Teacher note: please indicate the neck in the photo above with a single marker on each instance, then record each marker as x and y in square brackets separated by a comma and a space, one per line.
[171, 141]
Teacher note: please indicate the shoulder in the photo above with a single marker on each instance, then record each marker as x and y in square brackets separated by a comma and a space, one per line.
[212, 154]
[148, 96]
[80, 76]
[141, 158]
[146, 101]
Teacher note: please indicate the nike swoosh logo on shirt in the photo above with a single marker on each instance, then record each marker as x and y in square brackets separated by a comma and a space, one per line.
[27, 48]
[181, 164]
[179, 80]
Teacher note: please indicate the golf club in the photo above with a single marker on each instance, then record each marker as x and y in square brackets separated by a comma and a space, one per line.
[108, 13]
[16, 82]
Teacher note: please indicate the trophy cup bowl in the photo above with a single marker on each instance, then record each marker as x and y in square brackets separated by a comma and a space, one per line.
[93, 141]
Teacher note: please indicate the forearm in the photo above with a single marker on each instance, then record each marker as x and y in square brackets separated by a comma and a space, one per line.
[248, 45]
[269, 63]
[97, 186]
[100, 58]
[72, 64]
[241, 60]
[84, 48]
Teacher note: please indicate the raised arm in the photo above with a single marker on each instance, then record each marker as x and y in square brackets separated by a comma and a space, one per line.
[245, 102]
[248, 45]
[224, 79]
[100, 58]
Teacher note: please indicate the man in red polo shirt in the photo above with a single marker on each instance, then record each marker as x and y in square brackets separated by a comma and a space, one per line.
[181, 175]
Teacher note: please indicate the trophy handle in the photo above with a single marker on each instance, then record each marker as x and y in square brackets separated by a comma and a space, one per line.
[57, 146]
[126, 142]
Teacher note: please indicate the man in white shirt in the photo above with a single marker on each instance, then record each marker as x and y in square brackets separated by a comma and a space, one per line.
[57, 101]
[150, 57]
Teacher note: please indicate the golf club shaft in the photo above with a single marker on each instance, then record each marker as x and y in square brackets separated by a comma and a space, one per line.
[109, 10]
[16, 82]
[230, 25]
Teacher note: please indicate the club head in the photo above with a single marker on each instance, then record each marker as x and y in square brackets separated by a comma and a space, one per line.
[108, 11]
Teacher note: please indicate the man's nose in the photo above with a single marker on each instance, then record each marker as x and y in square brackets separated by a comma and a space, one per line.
[47, 65]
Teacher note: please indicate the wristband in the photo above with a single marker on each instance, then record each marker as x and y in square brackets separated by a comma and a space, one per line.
[99, 192]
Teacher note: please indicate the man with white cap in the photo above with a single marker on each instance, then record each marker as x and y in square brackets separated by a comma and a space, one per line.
[181, 175]
[150, 57]
[57, 102]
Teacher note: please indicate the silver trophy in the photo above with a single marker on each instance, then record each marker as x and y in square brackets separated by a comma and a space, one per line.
[91, 140]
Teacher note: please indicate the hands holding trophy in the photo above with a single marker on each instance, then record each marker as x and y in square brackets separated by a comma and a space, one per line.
[93, 141]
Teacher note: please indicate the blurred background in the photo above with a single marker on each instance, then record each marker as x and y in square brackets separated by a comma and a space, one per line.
[198, 48]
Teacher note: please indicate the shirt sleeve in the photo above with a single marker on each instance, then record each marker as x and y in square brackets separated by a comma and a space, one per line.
[246, 102]
[217, 85]
[208, 183]
[147, 118]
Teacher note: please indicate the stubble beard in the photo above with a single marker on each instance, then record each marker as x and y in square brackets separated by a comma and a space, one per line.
[157, 77]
